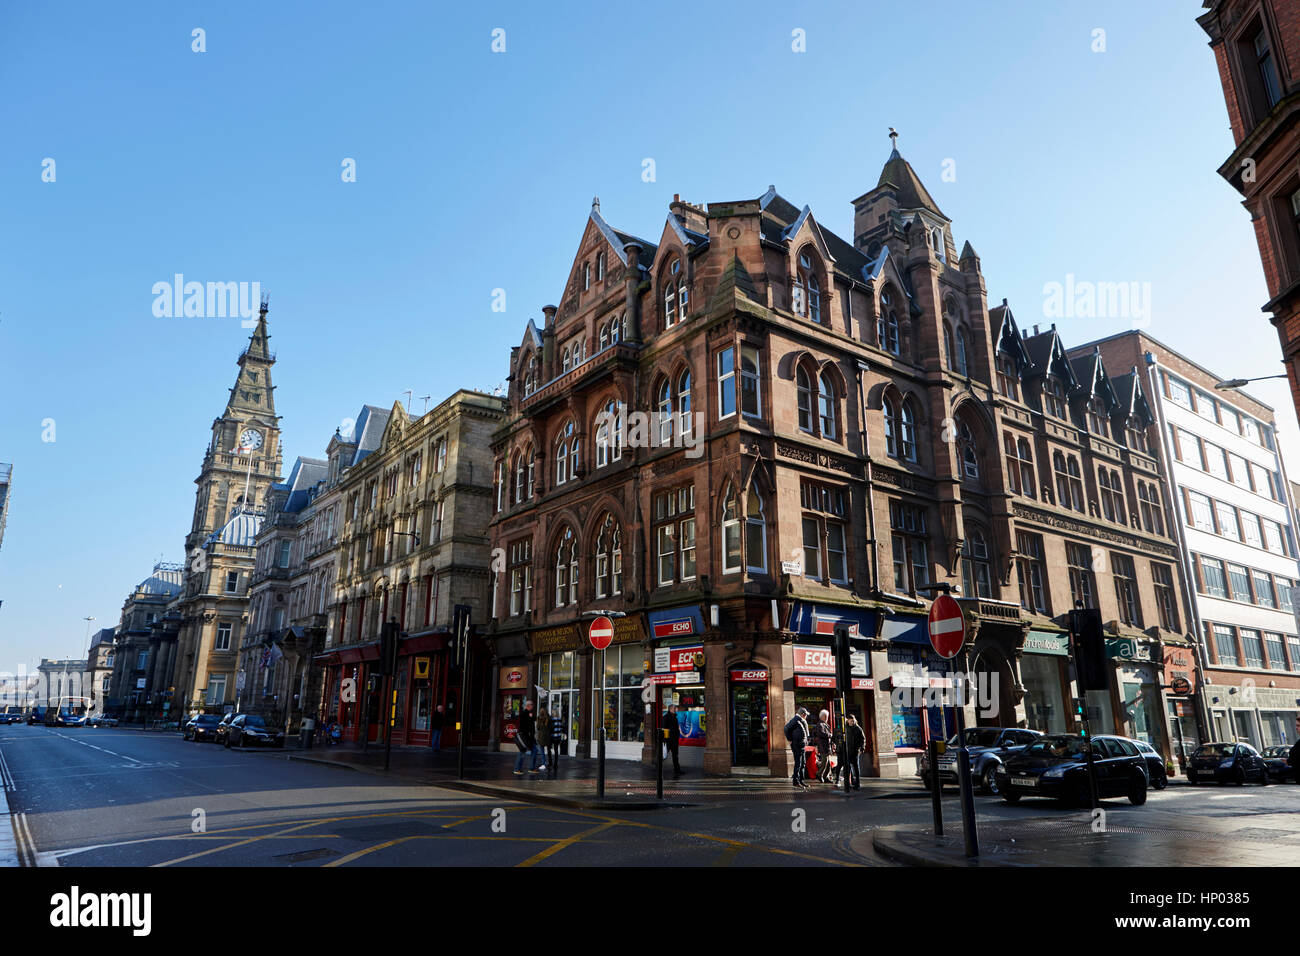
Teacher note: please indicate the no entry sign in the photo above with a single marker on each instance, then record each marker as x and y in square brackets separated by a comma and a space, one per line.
[947, 626]
[601, 633]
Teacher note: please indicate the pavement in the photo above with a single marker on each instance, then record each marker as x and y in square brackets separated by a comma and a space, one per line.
[629, 785]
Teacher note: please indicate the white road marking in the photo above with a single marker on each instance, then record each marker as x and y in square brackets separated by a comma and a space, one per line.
[100, 749]
[9, 853]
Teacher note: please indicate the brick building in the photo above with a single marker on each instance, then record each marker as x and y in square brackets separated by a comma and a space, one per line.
[1256, 47]
[833, 428]
[1235, 529]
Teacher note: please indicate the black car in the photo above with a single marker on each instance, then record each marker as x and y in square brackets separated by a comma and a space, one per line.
[1157, 772]
[1278, 761]
[1227, 762]
[987, 748]
[36, 716]
[1056, 765]
[250, 730]
[202, 727]
[11, 718]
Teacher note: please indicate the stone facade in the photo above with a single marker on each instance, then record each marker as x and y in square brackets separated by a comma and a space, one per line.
[144, 649]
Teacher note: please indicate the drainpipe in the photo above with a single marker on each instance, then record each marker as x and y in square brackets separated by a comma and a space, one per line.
[865, 442]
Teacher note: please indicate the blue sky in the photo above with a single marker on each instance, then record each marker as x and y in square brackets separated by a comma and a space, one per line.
[475, 171]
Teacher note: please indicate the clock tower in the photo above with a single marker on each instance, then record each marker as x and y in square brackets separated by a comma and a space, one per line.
[242, 462]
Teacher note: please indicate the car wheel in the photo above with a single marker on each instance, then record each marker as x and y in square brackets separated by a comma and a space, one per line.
[1010, 796]
[1239, 778]
[1162, 779]
[1263, 776]
[1137, 790]
[990, 780]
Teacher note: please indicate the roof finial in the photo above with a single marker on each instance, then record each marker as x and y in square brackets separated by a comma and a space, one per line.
[595, 204]
[266, 303]
[893, 138]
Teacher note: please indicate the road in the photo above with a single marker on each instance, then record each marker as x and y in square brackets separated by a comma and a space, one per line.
[108, 797]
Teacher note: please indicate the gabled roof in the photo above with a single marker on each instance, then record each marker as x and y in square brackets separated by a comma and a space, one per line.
[1090, 373]
[1009, 339]
[369, 430]
[912, 194]
[1047, 353]
[1131, 396]
[781, 220]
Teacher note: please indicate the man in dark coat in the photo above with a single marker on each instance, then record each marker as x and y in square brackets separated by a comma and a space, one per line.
[435, 730]
[672, 734]
[855, 741]
[526, 740]
[796, 731]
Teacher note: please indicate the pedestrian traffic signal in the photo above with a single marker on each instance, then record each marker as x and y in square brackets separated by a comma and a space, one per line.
[388, 648]
[1089, 649]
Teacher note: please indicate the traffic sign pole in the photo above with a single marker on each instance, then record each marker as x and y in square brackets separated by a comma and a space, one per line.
[601, 634]
[947, 625]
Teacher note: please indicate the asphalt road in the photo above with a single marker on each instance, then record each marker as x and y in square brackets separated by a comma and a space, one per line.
[106, 797]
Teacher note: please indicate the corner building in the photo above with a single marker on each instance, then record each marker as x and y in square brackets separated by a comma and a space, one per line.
[834, 427]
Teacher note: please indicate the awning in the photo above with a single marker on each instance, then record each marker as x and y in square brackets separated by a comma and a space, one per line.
[906, 629]
[820, 619]
[675, 622]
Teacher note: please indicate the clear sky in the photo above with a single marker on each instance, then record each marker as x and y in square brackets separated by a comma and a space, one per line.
[475, 171]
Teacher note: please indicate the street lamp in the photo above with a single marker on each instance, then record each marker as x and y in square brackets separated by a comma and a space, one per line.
[1234, 383]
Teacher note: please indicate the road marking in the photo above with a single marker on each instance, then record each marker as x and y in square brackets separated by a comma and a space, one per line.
[10, 852]
[100, 749]
[27, 844]
[567, 842]
[728, 856]
[237, 843]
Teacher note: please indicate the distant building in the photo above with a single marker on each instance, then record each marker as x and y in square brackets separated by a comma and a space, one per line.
[63, 684]
[99, 664]
[144, 646]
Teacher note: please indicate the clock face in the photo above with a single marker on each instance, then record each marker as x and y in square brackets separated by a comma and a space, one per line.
[250, 438]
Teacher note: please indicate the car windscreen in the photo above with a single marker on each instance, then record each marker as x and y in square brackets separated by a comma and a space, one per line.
[1059, 748]
[1214, 750]
[207, 719]
[977, 737]
[253, 720]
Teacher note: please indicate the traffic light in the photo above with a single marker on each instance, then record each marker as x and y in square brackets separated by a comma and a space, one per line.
[1080, 714]
[388, 648]
[843, 665]
[1089, 649]
[460, 627]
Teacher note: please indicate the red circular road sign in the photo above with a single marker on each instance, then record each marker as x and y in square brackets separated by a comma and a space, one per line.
[601, 633]
[947, 626]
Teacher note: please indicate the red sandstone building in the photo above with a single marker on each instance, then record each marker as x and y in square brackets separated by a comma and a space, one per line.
[838, 427]
[1256, 46]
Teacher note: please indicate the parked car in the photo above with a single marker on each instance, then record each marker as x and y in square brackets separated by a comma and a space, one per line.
[11, 718]
[250, 730]
[1056, 765]
[1278, 761]
[1227, 762]
[99, 720]
[1157, 772]
[202, 727]
[987, 748]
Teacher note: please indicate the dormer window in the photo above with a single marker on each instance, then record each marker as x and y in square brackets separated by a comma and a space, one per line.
[807, 290]
[676, 295]
[1136, 435]
[1054, 397]
[887, 324]
[936, 242]
[586, 276]
[1097, 421]
[1007, 377]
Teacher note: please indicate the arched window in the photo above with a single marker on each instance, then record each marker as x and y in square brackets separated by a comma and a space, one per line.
[1097, 421]
[1027, 479]
[609, 558]
[566, 569]
[803, 389]
[562, 470]
[887, 324]
[664, 407]
[531, 456]
[604, 336]
[975, 578]
[684, 404]
[948, 353]
[907, 434]
[755, 535]
[826, 406]
[600, 266]
[730, 532]
[891, 428]
[609, 436]
[520, 471]
[970, 463]
[676, 296]
[670, 304]
[568, 357]
[936, 241]
[960, 336]
[573, 452]
[814, 298]
[1053, 396]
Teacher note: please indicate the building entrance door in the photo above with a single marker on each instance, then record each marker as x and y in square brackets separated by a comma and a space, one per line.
[749, 725]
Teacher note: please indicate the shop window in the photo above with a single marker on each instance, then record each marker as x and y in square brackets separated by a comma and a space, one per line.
[616, 692]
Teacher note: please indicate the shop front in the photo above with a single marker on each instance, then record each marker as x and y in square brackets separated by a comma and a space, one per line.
[1045, 674]
[813, 666]
[558, 660]
[512, 691]
[616, 678]
[920, 689]
[1180, 686]
[748, 684]
[1139, 709]
[677, 674]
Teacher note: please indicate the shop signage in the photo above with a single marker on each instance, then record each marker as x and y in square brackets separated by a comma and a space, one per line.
[791, 567]
[687, 677]
[679, 658]
[551, 639]
[422, 668]
[1129, 649]
[813, 680]
[863, 683]
[680, 628]
[827, 628]
[813, 660]
[1180, 685]
[513, 677]
[751, 676]
[1180, 668]
[661, 678]
[1047, 642]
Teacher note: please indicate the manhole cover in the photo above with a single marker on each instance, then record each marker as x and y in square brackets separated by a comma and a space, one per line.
[303, 856]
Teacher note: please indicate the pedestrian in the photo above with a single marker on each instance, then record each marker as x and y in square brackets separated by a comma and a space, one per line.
[837, 747]
[435, 730]
[821, 734]
[544, 730]
[526, 741]
[855, 741]
[336, 734]
[556, 740]
[796, 731]
[1294, 758]
[672, 734]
